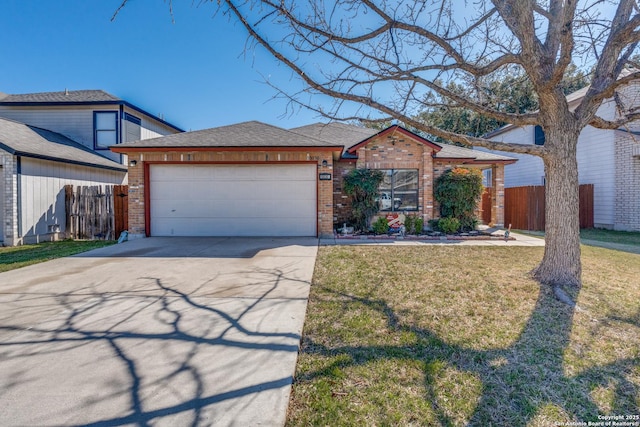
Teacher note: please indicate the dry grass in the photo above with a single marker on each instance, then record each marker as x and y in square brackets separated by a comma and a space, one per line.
[444, 335]
[14, 257]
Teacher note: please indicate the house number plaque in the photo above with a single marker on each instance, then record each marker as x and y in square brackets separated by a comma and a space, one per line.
[325, 176]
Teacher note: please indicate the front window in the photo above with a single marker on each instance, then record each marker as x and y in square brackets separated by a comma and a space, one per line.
[399, 190]
[105, 128]
[487, 178]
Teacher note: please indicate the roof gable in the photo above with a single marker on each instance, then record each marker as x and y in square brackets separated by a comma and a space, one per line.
[389, 133]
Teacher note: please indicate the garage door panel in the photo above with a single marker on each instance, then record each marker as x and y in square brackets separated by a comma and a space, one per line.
[233, 200]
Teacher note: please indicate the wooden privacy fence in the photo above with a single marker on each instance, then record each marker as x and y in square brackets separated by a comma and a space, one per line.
[96, 212]
[524, 207]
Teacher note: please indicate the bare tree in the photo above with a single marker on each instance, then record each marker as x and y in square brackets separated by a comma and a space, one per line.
[389, 56]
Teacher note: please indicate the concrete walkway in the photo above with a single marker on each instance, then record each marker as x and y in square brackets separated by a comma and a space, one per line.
[520, 240]
[158, 331]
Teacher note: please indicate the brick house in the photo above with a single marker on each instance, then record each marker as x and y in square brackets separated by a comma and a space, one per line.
[254, 179]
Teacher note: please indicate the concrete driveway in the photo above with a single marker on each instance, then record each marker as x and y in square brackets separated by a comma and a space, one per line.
[158, 331]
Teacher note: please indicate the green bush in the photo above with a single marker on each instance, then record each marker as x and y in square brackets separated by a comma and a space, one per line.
[449, 225]
[419, 225]
[458, 192]
[413, 224]
[362, 185]
[381, 226]
[433, 223]
[410, 224]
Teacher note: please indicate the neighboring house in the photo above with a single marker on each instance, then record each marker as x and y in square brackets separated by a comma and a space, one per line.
[35, 165]
[94, 118]
[51, 139]
[609, 159]
[254, 179]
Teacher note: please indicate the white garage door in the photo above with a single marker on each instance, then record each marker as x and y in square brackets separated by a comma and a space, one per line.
[233, 200]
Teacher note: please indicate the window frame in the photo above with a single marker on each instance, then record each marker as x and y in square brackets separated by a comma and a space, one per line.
[392, 189]
[127, 117]
[96, 131]
[539, 137]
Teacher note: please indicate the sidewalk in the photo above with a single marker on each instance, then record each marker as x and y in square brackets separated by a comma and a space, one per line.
[520, 240]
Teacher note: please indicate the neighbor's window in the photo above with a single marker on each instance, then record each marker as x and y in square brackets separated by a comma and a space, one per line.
[399, 190]
[105, 128]
[538, 138]
[132, 126]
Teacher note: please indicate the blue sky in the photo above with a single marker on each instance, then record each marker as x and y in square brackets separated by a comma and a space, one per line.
[192, 71]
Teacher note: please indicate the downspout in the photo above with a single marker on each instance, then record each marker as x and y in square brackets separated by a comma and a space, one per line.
[120, 128]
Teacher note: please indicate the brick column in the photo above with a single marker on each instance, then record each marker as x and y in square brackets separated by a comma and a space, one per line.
[427, 186]
[497, 197]
[10, 208]
[136, 198]
[325, 198]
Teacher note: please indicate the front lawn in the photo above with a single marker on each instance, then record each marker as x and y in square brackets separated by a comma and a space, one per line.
[602, 235]
[454, 336]
[13, 257]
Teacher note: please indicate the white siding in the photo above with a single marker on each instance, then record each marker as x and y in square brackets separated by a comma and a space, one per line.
[596, 165]
[150, 128]
[42, 192]
[76, 124]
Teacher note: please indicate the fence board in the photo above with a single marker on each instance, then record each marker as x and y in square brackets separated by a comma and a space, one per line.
[525, 207]
[121, 208]
[486, 205]
[91, 211]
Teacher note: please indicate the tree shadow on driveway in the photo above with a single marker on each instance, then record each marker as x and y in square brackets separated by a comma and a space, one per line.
[154, 354]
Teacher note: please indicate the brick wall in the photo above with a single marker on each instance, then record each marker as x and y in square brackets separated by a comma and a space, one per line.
[137, 185]
[627, 178]
[9, 205]
[403, 153]
[341, 202]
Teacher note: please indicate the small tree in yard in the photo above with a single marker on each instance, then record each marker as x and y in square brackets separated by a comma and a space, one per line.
[458, 192]
[362, 185]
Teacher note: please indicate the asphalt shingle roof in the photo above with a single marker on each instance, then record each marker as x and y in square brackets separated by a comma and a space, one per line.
[450, 151]
[63, 96]
[29, 141]
[257, 134]
[338, 133]
[246, 134]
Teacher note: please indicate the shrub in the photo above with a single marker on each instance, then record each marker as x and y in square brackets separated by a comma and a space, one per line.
[419, 225]
[410, 224]
[381, 226]
[458, 192]
[413, 224]
[433, 223]
[362, 185]
[449, 225]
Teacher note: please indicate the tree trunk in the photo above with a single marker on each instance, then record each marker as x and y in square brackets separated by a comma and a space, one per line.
[560, 265]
